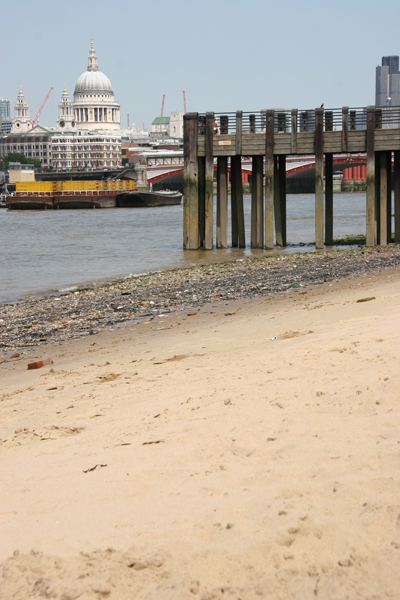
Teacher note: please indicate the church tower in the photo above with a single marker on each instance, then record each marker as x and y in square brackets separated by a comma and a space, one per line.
[66, 120]
[21, 121]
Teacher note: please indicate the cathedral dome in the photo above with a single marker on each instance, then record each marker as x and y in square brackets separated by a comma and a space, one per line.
[93, 81]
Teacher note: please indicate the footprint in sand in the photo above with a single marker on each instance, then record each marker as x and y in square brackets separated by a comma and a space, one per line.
[27, 435]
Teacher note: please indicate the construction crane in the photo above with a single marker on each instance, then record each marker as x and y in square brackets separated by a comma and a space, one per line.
[184, 102]
[162, 106]
[42, 107]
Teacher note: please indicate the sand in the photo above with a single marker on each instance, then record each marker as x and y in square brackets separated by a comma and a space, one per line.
[251, 450]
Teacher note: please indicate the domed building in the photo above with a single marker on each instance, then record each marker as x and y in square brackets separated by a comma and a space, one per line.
[88, 131]
[90, 124]
[93, 107]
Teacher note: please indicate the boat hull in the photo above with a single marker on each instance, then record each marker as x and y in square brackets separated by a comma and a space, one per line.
[65, 202]
[29, 203]
[147, 199]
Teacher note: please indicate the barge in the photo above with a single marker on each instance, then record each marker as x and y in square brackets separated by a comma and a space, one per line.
[145, 199]
[37, 195]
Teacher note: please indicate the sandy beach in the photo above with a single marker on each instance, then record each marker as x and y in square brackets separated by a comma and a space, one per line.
[249, 450]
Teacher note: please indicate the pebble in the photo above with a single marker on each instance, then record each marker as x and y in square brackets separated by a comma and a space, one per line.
[135, 299]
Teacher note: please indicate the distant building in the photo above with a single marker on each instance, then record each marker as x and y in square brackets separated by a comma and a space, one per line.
[176, 125]
[31, 146]
[89, 150]
[5, 116]
[387, 82]
[18, 172]
[171, 126]
[160, 125]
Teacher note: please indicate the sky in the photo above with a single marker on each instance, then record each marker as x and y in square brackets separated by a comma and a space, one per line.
[227, 55]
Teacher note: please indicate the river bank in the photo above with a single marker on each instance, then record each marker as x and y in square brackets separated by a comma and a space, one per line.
[247, 449]
[136, 299]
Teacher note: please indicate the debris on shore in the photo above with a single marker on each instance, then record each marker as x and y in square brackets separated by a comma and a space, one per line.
[134, 299]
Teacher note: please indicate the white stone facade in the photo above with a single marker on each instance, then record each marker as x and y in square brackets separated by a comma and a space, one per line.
[21, 122]
[176, 125]
[86, 151]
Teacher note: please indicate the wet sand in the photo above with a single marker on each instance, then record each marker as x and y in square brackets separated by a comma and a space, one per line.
[249, 450]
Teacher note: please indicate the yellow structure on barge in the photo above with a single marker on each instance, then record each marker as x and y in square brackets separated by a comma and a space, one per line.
[36, 195]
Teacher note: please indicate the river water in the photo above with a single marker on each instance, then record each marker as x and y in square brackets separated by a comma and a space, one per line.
[49, 251]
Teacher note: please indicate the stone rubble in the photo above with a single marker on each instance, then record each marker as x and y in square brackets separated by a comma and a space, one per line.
[136, 299]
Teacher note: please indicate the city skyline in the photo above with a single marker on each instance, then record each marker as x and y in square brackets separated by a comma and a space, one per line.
[225, 55]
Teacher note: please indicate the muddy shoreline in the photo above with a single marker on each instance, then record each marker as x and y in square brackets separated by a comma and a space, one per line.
[135, 299]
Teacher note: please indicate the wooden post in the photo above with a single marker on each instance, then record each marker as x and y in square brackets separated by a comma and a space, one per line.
[345, 128]
[319, 178]
[328, 199]
[377, 197]
[234, 223]
[397, 196]
[371, 216]
[190, 184]
[257, 203]
[252, 123]
[269, 179]
[293, 135]
[209, 182]
[383, 199]
[277, 212]
[389, 196]
[222, 202]
[280, 199]
[238, 180]
[201, 161]
[282, 195]
[254, 224]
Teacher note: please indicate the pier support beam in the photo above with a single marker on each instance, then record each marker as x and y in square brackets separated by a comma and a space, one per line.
[239, 183]
[191, 237]
[201, 167]
[319, 178]
[389, 196]
[234, 222]
[222, 202]
[377, 198]
[209, 184]
[329, 199]
[280, 199]
[371, 234]
[257, 216]
[397, 196]
[383, 199]
[269, 179]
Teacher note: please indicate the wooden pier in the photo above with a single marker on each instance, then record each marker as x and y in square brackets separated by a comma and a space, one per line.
[268, 137]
